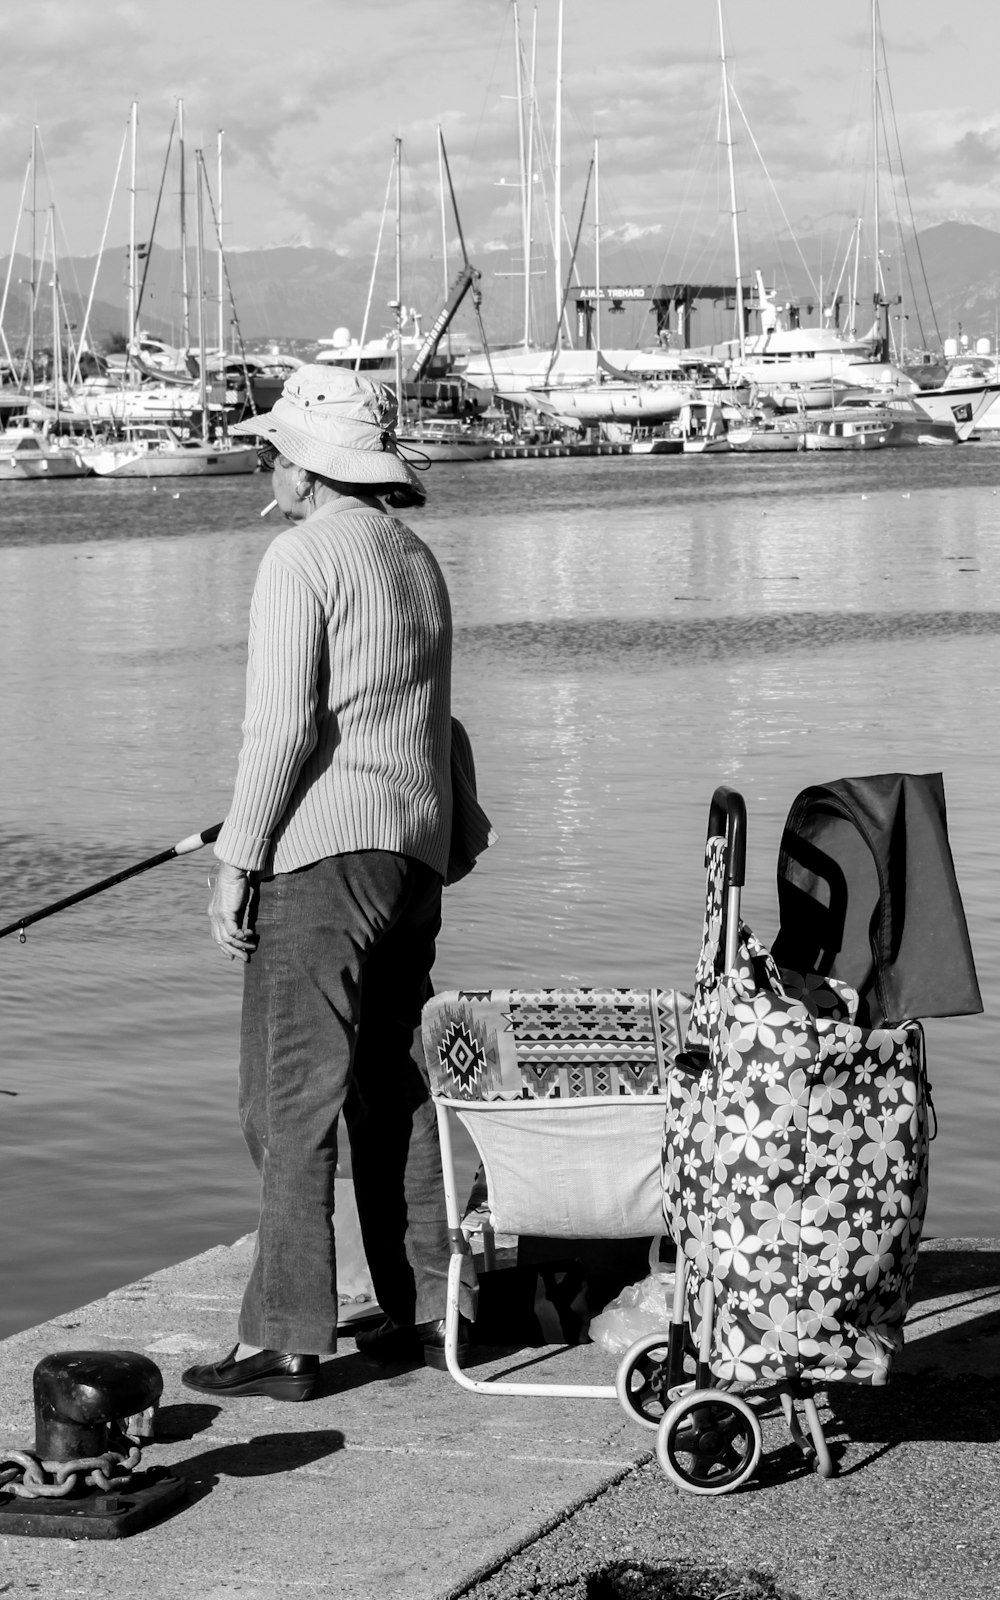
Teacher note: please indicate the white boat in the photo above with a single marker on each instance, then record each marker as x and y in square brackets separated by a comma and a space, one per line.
[957, 407]
[105, 399]
[811, 396]
[702, 427]
[810, 359]
[446, 439]
[763, 435]
[157, 451]
[658, 441]
[616, 401]
[375, 358]
[27, 452]
[848, 432]
[511, 374]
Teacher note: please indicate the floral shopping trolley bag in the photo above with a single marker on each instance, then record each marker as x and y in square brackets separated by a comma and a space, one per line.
[795, 1159]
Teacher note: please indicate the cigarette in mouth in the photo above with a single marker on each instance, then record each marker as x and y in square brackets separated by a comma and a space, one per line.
[269, 507]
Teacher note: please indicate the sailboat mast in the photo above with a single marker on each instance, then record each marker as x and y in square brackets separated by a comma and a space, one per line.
[875, 174]
[522, 160]
[597, 245]
[31, 279]
[56, 341]
[854, 280]
[557, 246]
[530, 179]
[200, 293]
[399, 277]
[741, 331]
[185, 286]
[131, 233]
[221, 279]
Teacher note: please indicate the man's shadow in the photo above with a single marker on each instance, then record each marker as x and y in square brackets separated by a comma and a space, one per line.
[258, 1457]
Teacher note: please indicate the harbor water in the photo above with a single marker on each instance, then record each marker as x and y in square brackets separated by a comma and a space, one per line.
[629, 632]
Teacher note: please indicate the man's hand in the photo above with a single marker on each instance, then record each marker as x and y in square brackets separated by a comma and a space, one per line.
[226, 911]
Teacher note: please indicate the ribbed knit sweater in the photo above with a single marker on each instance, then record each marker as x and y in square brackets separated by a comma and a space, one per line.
[346, 739]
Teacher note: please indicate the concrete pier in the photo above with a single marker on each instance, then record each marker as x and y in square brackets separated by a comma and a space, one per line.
[406, 1487]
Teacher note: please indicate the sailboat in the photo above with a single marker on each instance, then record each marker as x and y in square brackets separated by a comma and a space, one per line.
[578, 387]
[158, 449]
[31, 446]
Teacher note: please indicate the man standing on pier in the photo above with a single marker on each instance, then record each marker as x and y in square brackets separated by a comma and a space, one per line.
[332, 860]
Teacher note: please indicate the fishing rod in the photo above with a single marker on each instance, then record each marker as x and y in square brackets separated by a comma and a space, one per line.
[183, 847]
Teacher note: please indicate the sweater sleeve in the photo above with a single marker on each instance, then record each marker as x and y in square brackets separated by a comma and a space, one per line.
[287, 627]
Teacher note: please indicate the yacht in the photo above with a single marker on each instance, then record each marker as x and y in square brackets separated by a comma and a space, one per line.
[843, 430]
[28, 451]
[375, 358]
[154, 450]
[572, 381]
[446, 439]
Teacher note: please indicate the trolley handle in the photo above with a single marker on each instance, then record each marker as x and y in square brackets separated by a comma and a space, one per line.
[727, 819]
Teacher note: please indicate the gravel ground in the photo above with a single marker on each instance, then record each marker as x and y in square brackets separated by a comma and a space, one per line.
[912, 1515]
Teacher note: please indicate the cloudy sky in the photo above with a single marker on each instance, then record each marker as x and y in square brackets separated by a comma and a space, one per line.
[311, 93]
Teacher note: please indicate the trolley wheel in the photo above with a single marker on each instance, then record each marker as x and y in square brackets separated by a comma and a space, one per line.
[641, 1380]
[709, 1442]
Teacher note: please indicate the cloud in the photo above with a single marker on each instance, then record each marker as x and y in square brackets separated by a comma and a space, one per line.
[978, 151]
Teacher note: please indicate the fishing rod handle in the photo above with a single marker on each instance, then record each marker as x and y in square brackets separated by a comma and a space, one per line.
[195, 841]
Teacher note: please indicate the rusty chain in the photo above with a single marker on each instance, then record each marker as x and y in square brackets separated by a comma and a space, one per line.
[24, 1474]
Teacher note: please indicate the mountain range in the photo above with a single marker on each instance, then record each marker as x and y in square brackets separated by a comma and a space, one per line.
[293, 295]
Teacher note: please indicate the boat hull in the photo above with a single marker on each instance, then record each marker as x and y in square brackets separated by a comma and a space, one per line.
[705, 447]
[749, 440]
[656, 447]
[450, 450]
[36, 471]
[179, 463]
[873, 440]
[960, 408]
[18, 467]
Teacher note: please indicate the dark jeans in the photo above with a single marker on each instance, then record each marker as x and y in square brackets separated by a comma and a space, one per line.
[331, 1022]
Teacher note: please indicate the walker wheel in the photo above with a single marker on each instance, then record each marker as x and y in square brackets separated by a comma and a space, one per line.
[641, 1380]
[709, 1443]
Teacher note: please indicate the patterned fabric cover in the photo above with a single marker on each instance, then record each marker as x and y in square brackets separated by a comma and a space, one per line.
[795, 1169]
[547, 1044]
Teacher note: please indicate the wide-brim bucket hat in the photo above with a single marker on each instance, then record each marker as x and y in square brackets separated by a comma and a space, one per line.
[336, 423]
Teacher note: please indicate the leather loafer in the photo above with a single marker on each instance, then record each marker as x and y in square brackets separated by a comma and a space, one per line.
[390, 1345]
[271, 1372]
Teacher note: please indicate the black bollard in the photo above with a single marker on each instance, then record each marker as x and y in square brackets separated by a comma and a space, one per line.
[83, 1398]
[89, 1404]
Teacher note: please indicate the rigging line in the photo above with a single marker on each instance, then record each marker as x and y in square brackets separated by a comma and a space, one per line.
[569, 275]
[85, 329]
[378, 249]
[545, 163]
[10, 265]
[784, 216]
[685, 193]
[57, 216]
[553, 223]
[897, 217]
[909, 203]
[152, 229]
[200, 157]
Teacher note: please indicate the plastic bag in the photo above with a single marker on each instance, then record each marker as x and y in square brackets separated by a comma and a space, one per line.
[642, 1308]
